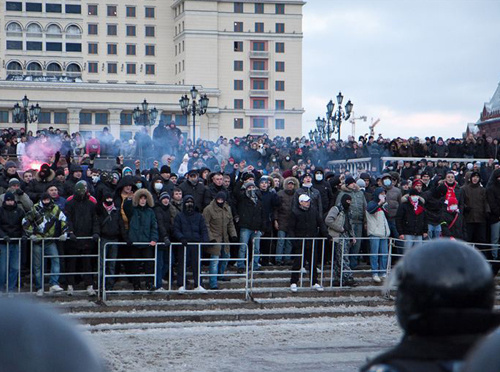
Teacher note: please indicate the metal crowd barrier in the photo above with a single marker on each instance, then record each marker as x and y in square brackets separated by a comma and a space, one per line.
[7, 263]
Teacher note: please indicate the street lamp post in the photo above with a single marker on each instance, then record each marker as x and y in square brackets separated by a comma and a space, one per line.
[25, 113]
[144, 116]
[194, 107]
[335, 118]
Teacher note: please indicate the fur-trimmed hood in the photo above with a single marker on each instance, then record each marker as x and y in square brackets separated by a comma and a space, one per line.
[348, 190]
[142, 192]
[277, 175]
[296, 184]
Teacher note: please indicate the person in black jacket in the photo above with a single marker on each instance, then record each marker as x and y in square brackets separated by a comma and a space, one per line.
[251, 222]
[434, 209]
[270, 202]
[189, 227]
[40, 182]
[493, 197]
[193, 186]
[325, 190]
[215, 186]
[305, 222]
[82, 222]
[164, 218]
[112, 230]
[11, 218]
[411, 219]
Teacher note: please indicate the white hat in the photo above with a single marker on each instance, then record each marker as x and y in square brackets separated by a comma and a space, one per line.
[304, 198]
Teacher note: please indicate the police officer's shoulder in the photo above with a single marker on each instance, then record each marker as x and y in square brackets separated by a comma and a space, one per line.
[381, 368]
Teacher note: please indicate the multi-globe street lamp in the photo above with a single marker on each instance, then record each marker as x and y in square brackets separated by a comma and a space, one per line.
[144, 116]
[333, 122]
[194, 107]
[25, 113]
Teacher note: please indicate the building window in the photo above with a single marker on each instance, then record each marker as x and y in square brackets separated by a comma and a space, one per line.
[112, 49]
[258, 84]
[93, 67]
[111, 10]
[14, 45]
[125, 118]
[259, 104]
[280, 28]
[279, 124]
[259, 8]
[16, 6]
[73, 47]
[149, 12]
[280, 66]
[92, 29]
[73, 9]
[53, 8]
[101, 118]
[60, 118]
[238, 65]
[34, 45]
[238, 104]
[4, 116]
[112, 68]
[44, 118]
[259, 123]
[93, 48]
[34, 7]
[131, 49]
[258, 65]
[259, 45]
[131, 11]
[92, 10]
[280, 47]
[238, 123]
[150, 50]
[85, 118]
[280, 104]
[131, 31]
[131, 68]
[112, 30]
[259, 27]
[238, 26]
[238, 85]
[238, 7]
[150, 69]
[280, 85]
[238, 46]
[150, 31]
[53, 47]
[280, 8]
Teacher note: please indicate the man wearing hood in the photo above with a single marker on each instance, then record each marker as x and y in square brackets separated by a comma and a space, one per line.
[493, 197]
[189, 227]
[75, 175]
[220, 225]
[192, 186]
[393, 198]
[11, 220]
[308, 189]
[45, 220]
[282, 216]
[39, 183]
[357, 210]
[82, 222]
[163, 211]
[325, 190]
[476, 209]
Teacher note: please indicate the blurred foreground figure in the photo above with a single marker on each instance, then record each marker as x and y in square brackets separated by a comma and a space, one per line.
[485, 356]
[444, 303]
[34, 338]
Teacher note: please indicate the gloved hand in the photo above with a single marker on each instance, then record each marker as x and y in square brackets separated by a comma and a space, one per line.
[213, 241]
[95, 237]
[24, 238]
[129, 243]
[57, 156]
[35, 238]
[72, 237]
[68, 158]
[19, 192]
[233, 239]
[63, 237]
[6, 239]
[92, 156]
[167, 242]
[184, 242]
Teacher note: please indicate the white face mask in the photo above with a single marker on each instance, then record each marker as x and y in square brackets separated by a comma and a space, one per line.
[308, 185]
[138, 185]
[95, 179]
[158, 186]
[319, 177]
[381, 197]
[387, 182]
[414, 198]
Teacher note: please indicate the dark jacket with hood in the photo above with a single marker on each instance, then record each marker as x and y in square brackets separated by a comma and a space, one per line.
[40, 182]
[197, 191]
[475, 201]
[306, 223]
[81, 216]
[11, 221]
[164, 219]
[325, 191]
[410, 221]
[110, 223]
[190, 226]
[143, 226]
[251, 214]
[358, 202]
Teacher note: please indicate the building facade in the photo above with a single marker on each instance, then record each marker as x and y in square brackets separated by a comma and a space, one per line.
[489, 120]
[90, 63]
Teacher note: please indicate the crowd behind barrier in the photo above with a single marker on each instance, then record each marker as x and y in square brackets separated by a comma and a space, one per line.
[94, 212]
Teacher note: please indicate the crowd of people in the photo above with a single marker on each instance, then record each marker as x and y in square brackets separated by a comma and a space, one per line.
[233, 191]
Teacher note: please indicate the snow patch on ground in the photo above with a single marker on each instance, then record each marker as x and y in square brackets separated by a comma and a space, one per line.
[320, 344]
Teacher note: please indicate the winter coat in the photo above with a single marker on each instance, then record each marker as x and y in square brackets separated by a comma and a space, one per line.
[270, 202]
[211, 191]
[143, 226]
[110, 224]
[393, 198]
[197, 191]
[493, 196]
[433, 206]
[475, 203]
[326, 194]
[315, 196]
[81, 217]
[376, 221]
[11, 221]
[336, 222]
[220, 226]
[191, 227]
[164, 219]
[251, 215]
[39, 185]
[283, 212]
[45, 222]
[5, 178]
[407, 220]
[451, 226]
[358, 203]
[22, 200]
[306, 223]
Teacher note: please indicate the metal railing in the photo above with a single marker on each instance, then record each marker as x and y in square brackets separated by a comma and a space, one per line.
[18, 242]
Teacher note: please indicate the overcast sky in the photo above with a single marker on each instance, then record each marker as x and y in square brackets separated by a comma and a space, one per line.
[424, 67]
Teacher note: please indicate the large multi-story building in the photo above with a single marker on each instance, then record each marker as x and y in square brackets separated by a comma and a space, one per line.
[90, 63]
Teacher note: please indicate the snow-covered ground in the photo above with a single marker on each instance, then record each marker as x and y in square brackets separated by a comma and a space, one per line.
[323, 344]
